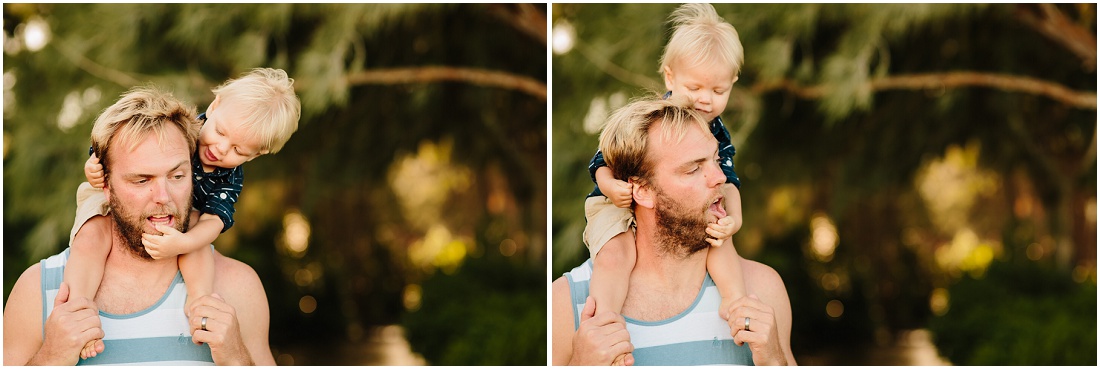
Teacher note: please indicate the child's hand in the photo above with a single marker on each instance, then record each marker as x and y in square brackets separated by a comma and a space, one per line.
[93, 171]
[621, 193]
[720, 231]
[171, 243]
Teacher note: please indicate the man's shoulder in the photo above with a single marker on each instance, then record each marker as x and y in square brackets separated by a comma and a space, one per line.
[238, 283]
[232, 274]
[231, 268]
[760, 274]
[764, 282]
[28, 282]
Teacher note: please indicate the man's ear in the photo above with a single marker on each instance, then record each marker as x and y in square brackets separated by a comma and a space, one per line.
[668, 78]
[643, 194]
[107, 188]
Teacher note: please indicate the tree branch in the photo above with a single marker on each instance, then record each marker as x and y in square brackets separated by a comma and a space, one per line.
[614, 70]
[1011, 83]
[117, 77]
[1056, 26]
[523, 17]
[432, 74]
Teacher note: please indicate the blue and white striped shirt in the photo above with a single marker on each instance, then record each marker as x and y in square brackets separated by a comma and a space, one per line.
[697, 336]
[158, 335]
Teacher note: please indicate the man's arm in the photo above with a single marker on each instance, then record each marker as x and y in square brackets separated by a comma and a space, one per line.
[600, 338]
[70, 325]
[23, 318]
[765, 283]
[239, 285]
[562, 318]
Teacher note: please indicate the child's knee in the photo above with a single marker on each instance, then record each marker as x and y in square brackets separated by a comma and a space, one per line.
[619, 251]
[94, 235]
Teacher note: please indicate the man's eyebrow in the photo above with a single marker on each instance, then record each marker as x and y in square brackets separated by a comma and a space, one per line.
[143, 175]
[699, 160]
[182, 163]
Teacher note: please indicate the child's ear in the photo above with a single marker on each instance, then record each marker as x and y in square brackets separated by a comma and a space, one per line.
[643, 194]
[214, 104]
[735, 78]
[668, 78]
[261, 153]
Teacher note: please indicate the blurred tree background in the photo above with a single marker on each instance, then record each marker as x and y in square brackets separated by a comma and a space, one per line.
[405, 221]
[923, 177]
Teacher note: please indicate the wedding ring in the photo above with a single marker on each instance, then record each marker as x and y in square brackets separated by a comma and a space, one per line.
[746, 324]
[203, 323]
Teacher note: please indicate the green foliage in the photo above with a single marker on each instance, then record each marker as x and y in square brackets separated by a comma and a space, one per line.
[481, 315]
[851, 153]
[1019, 314]
[335, 172]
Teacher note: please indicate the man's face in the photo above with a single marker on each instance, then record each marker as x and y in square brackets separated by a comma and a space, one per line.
[148, 186]
[686, 181]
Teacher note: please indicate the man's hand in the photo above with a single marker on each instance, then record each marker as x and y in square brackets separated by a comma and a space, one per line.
[720, 231]
[71, 325]
[762, 335]
[171, 243]
[93, 172]
[222, 333]
[600, 338]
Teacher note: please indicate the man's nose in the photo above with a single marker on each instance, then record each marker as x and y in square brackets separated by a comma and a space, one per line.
[715, 176]
[160, 192]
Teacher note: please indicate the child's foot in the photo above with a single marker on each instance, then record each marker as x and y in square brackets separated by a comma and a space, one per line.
[91, 349]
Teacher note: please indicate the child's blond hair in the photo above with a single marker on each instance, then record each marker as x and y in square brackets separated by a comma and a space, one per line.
[700, 36]
[266, 98]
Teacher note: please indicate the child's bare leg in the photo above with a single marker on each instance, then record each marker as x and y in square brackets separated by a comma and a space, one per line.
[84, 270]
[197, 268]
[611, 276]
[724, 266]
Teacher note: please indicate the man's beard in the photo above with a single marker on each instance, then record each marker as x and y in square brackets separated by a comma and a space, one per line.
[130, 226]
[681, 232]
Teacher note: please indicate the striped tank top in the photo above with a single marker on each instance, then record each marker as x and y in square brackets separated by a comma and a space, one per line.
[697, 336]
[158, 335]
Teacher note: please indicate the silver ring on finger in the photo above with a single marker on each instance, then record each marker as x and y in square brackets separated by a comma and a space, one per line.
[746, 324]
[202, 323]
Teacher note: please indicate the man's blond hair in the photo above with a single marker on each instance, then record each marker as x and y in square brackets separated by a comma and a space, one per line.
[701, 37]
[141, 111]
[270, 109]
[625, 139]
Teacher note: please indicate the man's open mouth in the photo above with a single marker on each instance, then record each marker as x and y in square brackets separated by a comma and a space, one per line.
[167, 220]
[717, 208]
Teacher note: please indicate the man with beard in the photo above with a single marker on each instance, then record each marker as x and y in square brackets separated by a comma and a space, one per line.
[146, 140]
[671, 312]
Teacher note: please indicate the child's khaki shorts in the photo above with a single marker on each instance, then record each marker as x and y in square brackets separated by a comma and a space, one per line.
[605, 220]
[90, 201]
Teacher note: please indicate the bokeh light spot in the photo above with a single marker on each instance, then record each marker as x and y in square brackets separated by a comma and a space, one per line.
[307, 304]
[835, 309]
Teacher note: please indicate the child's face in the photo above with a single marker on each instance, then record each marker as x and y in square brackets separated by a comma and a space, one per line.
[708, 85]
[223, 142]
